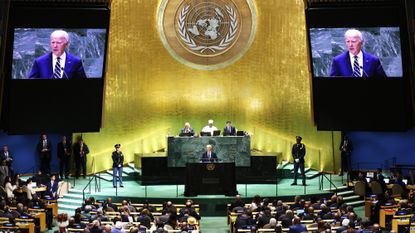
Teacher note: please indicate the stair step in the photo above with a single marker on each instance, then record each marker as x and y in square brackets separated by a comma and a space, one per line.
[72, 201]
[282, 165]
[128, 170]
[111, 173]
[71, 195]
[345, 193]
[356, 203]
[349, 198]
[105, 176]
[70, 207]
[338, 188]
[75, 191]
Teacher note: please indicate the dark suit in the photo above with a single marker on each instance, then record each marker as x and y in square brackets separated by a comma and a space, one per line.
[346, 148]
[183, 131]
[42, 67]
[297, 228]
[341, 66]
[9, 162]
[80, 158]
[206, 159]
[45, 156]
[64, 155]
[298, 152]
[52, 190]
[229, 131]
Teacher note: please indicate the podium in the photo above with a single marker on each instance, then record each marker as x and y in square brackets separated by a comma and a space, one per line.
[210, 179]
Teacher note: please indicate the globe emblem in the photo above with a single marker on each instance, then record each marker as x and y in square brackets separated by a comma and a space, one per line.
[207, 34]
[208, 28]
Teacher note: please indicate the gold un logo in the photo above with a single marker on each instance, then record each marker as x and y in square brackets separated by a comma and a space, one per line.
[207, 34]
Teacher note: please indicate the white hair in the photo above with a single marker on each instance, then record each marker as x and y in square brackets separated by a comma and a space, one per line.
[209, 146]
[210, 121]
[187, 124]
[353, 33]
[60, 33]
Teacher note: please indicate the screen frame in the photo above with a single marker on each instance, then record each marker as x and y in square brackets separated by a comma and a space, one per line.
[90, 101]
[368, 104]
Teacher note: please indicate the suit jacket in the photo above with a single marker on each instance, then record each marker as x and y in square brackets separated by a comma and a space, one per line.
[229, 132]
[77, 150]
[42, 67]
[40, 146]
[61, 149]
[52, 190]
[298, 152]
[342, 67]
[213, 157]
[117, 159]
[3, 157]
[297, 228]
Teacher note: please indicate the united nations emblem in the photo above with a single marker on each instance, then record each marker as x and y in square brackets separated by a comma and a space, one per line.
[207, 34]
[210, 166]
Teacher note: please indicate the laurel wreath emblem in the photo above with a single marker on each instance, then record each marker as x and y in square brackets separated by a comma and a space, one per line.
[223, 44]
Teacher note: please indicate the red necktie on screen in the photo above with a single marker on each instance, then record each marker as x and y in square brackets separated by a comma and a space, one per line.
[57, 73]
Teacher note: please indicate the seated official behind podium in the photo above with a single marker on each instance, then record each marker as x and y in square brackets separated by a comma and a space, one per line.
[210, 128]
[209, 156]
[187, 130]
[229, 130]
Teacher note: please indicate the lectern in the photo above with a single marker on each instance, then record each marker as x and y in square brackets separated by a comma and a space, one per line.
[210, 179]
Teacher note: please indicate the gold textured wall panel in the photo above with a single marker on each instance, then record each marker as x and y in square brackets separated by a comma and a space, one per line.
[267, 92]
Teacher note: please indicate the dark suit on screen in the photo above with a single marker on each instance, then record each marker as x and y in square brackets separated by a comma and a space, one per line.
[206, 159]
[342, 67]
[229, 131]
[42, 67]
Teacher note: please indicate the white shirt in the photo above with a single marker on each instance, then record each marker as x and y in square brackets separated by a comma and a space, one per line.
[359, 60]
[61, 62]
[209, 129]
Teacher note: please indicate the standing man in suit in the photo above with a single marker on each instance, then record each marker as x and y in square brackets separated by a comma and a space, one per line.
[44, 148]
[7, 157]
[80, 151]
[117, 163]
[298, 152]
[58, 64]
[52, 187]
[355, 62]
[209, 156]
[229, 130]
[64, 155]
[346, 148]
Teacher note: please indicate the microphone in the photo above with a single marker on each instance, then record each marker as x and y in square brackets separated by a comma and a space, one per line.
[364, 72]
[64, 73]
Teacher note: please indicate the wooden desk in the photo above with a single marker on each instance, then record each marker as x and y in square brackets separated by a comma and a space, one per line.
[29, 226]
[41, 216]
[412, 228]
[54, 206]
[403, 220]
[384, 214]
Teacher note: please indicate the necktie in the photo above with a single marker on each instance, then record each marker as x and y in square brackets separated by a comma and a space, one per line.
[356, 68]
[57, 72]
[209, 155]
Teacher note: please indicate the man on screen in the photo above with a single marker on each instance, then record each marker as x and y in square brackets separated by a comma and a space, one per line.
[58, 64]
[355, 62]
